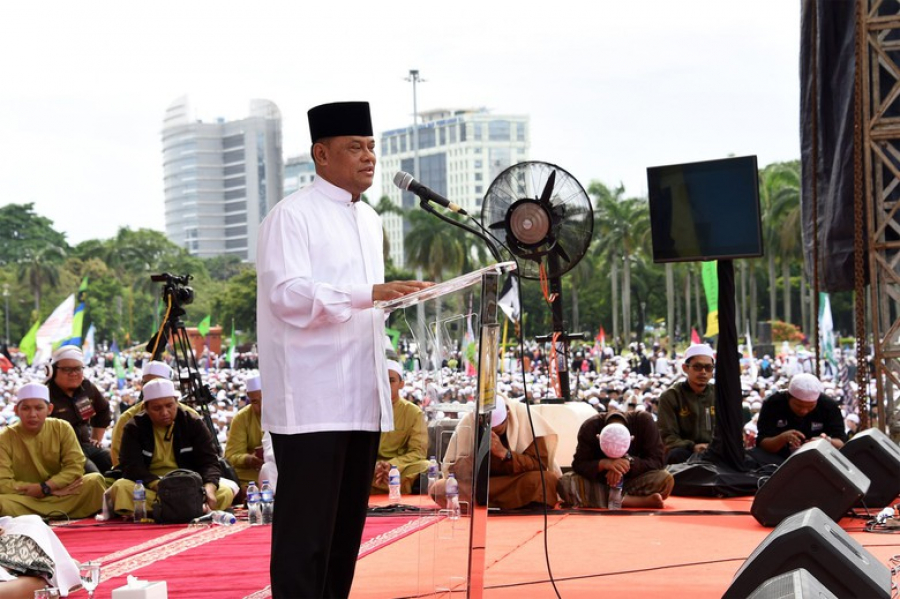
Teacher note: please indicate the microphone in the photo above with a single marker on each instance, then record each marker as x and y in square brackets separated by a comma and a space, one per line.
[406, 182]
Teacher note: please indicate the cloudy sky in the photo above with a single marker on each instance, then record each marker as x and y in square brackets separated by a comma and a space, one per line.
[611, 86]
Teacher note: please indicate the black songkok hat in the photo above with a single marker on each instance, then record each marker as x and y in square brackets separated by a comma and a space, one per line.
[339, 118]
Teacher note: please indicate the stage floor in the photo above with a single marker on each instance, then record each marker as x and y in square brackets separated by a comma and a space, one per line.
[690, 549]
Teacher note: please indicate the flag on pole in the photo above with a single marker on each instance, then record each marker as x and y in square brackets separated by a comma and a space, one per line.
[203, 327]
[695, 336]
[28, 344]
[470, 348]
[117, 364]
[78, 316]
[55, 329]
[394, 336]
[89, 347]
[711, 288]
[754, 371]
[601, 337]
[508, 301]
[826, 331]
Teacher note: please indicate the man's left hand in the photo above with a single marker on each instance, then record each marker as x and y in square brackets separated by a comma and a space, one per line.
[31, 490]
[395, 289]
[210, 495]
[700, 447]
[71, 489]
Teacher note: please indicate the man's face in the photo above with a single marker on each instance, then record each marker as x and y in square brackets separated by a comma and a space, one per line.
[699, 371]
[255, 398]
[801, 408]
[69, 374]
[347, 161]
[161, 411]
[396, 381]
[32, 413]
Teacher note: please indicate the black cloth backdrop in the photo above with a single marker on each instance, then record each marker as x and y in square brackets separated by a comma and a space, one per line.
[827, 68]
[726, 448]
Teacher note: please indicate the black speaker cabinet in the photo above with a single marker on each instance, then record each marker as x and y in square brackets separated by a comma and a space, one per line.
[764, 333]
[796, 584]
[816, 475]
[878, 457]
[811, 540]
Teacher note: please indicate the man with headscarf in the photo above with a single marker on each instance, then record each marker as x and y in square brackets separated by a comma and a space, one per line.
[517, 458]
[78, 402]
[788, 419]
[42, 465]
[687, 409]
[405, 447]
[321, 355]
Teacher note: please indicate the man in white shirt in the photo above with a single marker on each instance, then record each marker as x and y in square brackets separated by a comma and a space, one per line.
[321, 355]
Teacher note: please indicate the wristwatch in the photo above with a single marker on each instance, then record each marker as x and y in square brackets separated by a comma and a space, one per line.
[45, 489]
[630, 459]
[508, 456]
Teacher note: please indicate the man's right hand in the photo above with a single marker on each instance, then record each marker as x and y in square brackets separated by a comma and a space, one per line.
[395, 289]
[793, 438]
[382, 469]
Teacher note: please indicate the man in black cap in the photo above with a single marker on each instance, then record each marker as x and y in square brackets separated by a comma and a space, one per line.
[321, 356]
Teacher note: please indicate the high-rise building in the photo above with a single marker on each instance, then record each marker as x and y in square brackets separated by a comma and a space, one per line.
[299, 171]
[221, 178]
[460, 153]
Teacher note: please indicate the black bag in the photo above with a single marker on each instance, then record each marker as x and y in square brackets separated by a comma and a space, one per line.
[180, 497]
[704, 479]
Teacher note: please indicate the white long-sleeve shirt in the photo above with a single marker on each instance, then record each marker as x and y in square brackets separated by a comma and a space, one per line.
[321, 348]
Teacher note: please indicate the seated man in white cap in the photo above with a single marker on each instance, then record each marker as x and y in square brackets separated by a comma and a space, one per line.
[515, 477]
[42, 465]
[151, 371]
[788, 419]
[160, 439]
[405, 447]
[687, 409]
[81, 404]
[645, 482]
[243, 450]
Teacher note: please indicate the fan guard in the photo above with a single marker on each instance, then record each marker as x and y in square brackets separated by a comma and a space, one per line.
[546, 216]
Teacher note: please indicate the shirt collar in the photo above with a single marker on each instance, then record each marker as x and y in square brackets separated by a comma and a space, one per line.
[332, 192]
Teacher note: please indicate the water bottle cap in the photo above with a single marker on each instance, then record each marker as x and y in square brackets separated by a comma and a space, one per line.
[265, 482]
[451, 475]
[138, 482]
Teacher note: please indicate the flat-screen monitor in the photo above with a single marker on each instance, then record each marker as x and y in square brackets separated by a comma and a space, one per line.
[705, 210]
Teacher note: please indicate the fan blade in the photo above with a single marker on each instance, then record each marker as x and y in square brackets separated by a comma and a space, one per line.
[497, 225]
[548, 188]
[561, 252]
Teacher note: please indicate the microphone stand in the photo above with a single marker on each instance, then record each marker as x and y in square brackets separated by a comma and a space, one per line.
[424, 205]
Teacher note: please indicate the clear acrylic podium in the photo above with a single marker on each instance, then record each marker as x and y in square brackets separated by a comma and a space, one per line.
[455, 322]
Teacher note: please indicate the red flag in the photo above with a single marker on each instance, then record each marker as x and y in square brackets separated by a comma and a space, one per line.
[695, 337]
[601, 337]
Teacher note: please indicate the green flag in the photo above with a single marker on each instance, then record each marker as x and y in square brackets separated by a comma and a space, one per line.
[203, 327]
[28, 344]
[394, 334]
[711, 287]
[231, 345]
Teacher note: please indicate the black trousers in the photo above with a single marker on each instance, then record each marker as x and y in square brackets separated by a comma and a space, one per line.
[320, 510]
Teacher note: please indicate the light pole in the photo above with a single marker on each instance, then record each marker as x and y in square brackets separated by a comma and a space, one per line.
[414, 78]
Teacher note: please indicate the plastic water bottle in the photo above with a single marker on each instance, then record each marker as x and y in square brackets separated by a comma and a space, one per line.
[223, 518]
[267, 502]
[253, 504]
[451, 489]
[615, 496]
[139, 496]
[433, 472]
[394, 485]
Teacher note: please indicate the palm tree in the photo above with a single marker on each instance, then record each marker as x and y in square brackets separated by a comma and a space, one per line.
[41, 267]
[622, 226]
[779, 193]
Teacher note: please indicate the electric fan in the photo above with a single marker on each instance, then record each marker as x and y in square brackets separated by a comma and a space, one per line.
[546, 215]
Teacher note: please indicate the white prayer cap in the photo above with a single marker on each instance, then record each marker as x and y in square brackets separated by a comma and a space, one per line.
[853, 418]
[698, 349]
[68, 352]
[395, 366]
[805, 387]
[498, 416]
[254, 383]
[157, 368]
[160, 389]
[33, 391]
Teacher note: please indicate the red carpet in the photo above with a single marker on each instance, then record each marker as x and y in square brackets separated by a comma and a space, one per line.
[204, 561]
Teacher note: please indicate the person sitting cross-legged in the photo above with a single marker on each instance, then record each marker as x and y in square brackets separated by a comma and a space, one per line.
[160, 439]
[42, 464]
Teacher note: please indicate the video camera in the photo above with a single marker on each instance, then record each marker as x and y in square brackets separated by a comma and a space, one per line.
[176, 288]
